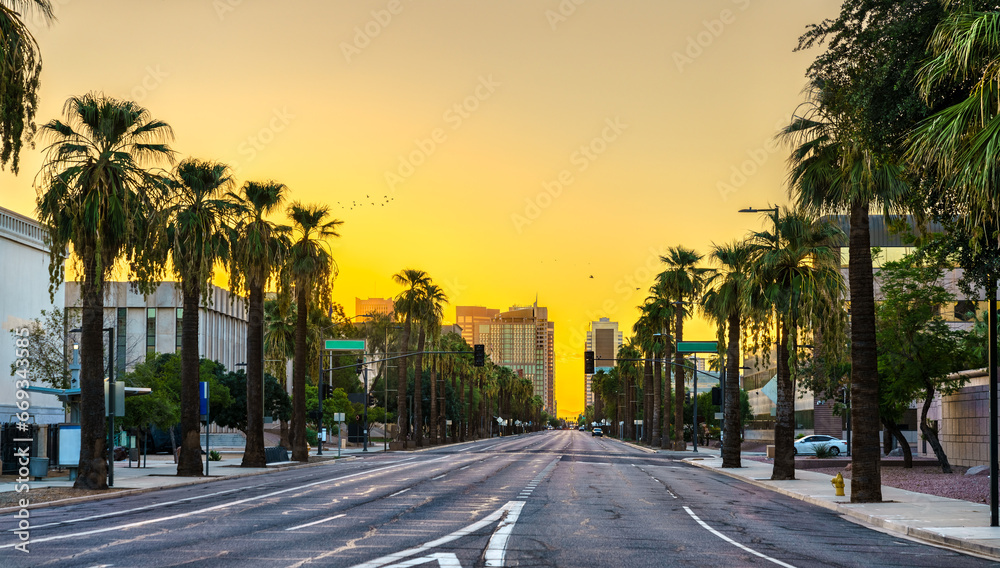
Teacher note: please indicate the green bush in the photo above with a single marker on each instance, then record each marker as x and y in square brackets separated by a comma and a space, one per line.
[311, 437]
[823, 451]
[214, 456]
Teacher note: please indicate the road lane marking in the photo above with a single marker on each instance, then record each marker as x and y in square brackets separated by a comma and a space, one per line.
[212, 508]
[316, 522]
[400, 492]
[496, 551]
[443, 559]
[733, 542]
[461, 468]
[386, 561]
[439, 477]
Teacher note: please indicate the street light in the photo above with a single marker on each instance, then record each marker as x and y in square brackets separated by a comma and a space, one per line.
[111, 401]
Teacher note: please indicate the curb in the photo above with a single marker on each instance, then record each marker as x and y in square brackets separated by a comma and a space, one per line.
[847, 510]
[127, 492]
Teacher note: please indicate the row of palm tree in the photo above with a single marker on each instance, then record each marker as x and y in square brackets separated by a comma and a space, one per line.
[771, 285]
[103, 196]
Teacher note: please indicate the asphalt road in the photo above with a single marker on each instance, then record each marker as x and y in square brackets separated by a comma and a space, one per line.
[558, 498]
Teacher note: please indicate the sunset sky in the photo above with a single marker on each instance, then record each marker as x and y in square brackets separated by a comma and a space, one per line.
[511, 149]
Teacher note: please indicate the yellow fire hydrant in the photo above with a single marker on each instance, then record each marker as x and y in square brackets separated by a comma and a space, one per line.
[838, 483]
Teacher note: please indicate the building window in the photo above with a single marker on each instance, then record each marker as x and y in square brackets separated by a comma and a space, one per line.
[120, 341]
[150, 330]
[178, 330]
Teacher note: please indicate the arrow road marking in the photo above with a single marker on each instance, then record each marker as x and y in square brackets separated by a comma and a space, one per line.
[393, 560]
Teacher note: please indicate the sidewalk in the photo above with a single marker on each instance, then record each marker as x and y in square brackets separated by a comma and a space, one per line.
[961, 525]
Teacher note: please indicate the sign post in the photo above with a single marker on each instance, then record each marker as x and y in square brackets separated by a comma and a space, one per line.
[203, 402]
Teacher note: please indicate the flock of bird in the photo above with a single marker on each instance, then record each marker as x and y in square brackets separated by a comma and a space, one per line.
[384, 199]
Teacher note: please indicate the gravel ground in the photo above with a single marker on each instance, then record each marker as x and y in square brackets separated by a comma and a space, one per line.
[924, 479]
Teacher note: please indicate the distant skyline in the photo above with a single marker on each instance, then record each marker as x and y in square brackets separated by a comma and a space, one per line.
[512, 150]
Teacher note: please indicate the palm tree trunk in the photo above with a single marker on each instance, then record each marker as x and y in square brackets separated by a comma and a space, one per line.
[93, 468]
[679, 443]
[668, 415]
[866, 478]
[189, 462]
[462, 413]
[434, 403]
[418, 391]
[647, 400]
[300, 451]
[731, 426]
[657, 401]
[441, 416]
[253, 455]
[784, 422]
[468, 411]
[401, 418]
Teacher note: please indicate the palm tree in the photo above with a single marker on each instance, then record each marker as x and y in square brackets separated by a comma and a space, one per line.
[257, 255]
[312, 269]
[98, 198]
[832, 171]
[428, 315]
[644, 330]
[660, 310]
[406, 305]
[724, 303]
[684, 281]
[799, 274]
[198, 239]
[20, 68]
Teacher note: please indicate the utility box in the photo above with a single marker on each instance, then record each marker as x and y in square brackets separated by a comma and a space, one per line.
[770, 451]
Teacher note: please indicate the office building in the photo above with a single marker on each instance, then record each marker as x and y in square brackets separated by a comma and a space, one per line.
[148, 324]
[470, 317]
[603, 339]
[522, 338]
[381, 306]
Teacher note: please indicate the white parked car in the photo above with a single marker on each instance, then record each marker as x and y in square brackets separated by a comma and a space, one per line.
[807, 446]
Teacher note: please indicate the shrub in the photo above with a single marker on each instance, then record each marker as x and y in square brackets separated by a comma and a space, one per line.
[214, 456]
[823, 451]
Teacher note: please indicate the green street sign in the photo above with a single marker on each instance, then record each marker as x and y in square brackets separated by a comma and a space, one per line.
[697, 346]
[344, 344]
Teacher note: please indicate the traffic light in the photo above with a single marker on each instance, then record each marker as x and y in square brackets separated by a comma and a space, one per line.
[359, 369]
[372, 401]
[588, 362]
[716, 396]
[479, 358]
[324, 391]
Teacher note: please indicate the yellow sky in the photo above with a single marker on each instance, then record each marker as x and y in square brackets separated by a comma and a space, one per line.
[523, 146]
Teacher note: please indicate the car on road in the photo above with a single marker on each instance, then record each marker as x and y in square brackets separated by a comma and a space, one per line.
[583, 428]
[807, 446]
[598, 433]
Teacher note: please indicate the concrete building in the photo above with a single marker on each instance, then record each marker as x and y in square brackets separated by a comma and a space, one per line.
[470, 317]
[148, 324]
[522, 339]
[603, 339]
[24, 293]
[382, 306]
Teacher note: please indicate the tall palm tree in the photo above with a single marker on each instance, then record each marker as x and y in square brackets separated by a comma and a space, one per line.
[724, 303]
[312, 269]
[429, 313]
[20, 68]
[684, 280]
[198, 238]
[406, 305]
[799, 274]
[258, 251]
[833, 171]
[660, 310]
[644, 328]
[98, 198]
